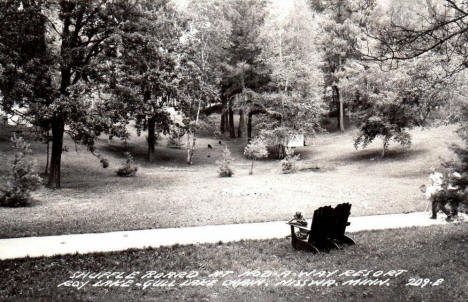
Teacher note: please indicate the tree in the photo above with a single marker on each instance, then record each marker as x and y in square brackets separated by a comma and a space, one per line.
[388, 103]
[22, 179]
[338, 39]
[460, 115]
[224, 165]
[256, 149]
[206, 44]
[194, 91]
[427, 27]
[24, 76]
[51, 52]
[424, 28]
[144, 77]
[293, 104]
[225, 47]
[243, 69]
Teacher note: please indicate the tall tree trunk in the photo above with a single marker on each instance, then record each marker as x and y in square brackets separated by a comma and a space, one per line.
[386, 141]
[46, 171]
[58, 129]
[222, 126]
[232, 130]
[342, 127]
[151, 138]
[191, 145]
[226, 121]
[339, 102]
[58, 122]
[240, 127]
[249, 126]
[56, 156]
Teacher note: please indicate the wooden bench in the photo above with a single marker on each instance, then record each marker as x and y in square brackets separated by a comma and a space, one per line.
[327, 230]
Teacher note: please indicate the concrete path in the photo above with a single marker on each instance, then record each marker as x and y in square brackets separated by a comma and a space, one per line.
[118, 241]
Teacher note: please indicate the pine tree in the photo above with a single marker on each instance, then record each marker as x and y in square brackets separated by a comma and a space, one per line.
[22, 179]
[224, 168]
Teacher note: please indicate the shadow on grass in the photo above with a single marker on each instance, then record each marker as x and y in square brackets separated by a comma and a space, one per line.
[321, 168]
[308, 153]
[414, 174]
[204, 155]
[32, 202]
[95, 179]
[375, 155]
[162, 155]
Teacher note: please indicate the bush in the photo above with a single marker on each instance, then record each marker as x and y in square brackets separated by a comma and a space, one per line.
[174, 142]
[175, 138]
[256, 149]
[276, 151]
[379, 126]
[22, 179]
[128, 167]
[104, 162]
[224, 169]
[289, 163]
[452, 187]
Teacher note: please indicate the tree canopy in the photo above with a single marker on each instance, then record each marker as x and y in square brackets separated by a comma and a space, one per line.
[87, 68]
[50, 71]
[419, 27]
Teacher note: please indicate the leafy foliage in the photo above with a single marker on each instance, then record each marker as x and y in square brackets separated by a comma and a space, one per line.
[459, 167]
[224, 165]
[388, 103]
[289, 163]
[56, 67]
[144, 79]
[256, 149]
[419, 27]
[22, 179]
[243, 68]
[292, 105]
[128, 168]
[340, 35]
[175, 137]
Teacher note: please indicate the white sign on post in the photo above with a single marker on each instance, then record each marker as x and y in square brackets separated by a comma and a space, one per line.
[296, 141]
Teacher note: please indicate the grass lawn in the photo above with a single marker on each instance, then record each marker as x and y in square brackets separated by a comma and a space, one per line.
[432, 253]
[168, 193]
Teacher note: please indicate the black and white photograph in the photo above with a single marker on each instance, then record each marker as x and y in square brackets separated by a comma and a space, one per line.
[234, 150]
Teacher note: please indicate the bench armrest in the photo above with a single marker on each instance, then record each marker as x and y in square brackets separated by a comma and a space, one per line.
[299, 226]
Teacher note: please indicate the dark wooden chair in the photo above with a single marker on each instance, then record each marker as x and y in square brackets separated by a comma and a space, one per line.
[326, 231]
[338, 228]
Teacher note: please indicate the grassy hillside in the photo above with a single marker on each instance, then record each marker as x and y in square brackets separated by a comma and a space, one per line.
[169, 193]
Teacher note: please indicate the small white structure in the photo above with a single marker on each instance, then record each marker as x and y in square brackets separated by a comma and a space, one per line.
[296, 140]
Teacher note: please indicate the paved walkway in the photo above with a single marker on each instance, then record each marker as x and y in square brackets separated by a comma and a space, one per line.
[118, 241]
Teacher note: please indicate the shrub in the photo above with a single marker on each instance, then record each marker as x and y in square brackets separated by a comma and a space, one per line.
[128, 167]
[224, 168]
[256, 149]
[289, 163]
[104, 162]
[175, 137]
[451, 188]
[276, 151]
[174, 142]
[379, 126]
[21, 179]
